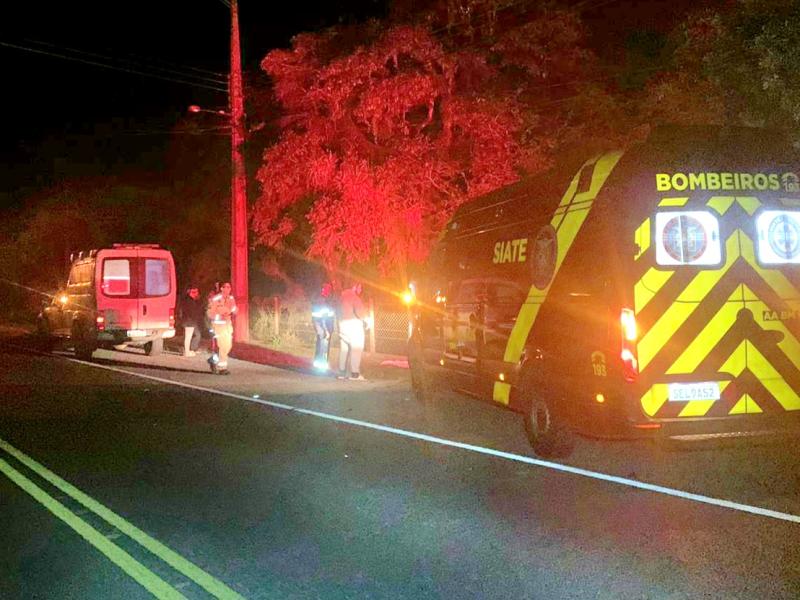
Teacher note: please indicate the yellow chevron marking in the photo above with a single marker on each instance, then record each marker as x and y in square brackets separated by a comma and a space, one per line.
[721, 204]
[673, 201]
[711, 334]
[771, 379]
[736, 362]
[648, 286]
[501, 392]
[567, 226]
[654, 398]
[747, 356]
[789, 343]
[696, 408]
[740, 407]
[686, 303]
[749, 203]
[773, 277]
[745, 405]
[642, 238]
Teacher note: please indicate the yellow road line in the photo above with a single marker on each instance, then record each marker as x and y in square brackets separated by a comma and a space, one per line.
[144, 576]
[207, 582]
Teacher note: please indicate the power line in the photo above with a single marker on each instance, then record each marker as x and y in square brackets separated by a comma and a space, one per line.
[114, 67]
[219, 79]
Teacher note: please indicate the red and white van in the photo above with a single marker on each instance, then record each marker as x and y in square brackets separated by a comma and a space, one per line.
[124, 294]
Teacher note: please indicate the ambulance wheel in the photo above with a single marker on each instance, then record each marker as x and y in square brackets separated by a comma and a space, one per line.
[547, 432]
[83, 341]
[155, 347]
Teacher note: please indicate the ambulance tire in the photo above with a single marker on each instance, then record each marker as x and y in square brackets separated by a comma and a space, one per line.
[548, 433]
[83, 341]
[155, 347]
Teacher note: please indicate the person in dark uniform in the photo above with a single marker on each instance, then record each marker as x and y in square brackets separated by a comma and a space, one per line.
[322, 314]
[191, 315]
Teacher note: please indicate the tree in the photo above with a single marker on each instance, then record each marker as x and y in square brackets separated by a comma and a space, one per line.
[383, 141]
[384, 135]
[731, 66]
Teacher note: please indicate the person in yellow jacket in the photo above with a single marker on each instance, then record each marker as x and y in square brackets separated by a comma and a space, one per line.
[221, 308]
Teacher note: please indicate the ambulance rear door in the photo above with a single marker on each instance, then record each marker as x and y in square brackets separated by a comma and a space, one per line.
[717, 307]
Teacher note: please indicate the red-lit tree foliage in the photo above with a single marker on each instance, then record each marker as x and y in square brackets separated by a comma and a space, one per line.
[384, 135]
[385, 144]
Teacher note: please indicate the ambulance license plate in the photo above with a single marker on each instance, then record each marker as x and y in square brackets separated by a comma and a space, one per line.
[133, 333]
[686, 392]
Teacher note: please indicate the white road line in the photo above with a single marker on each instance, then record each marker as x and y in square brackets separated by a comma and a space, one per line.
[658, 489]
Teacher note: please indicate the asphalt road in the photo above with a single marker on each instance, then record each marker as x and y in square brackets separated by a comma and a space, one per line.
[137, 477]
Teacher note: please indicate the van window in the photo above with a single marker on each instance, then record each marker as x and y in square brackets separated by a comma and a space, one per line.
[156, 277]
[117, 277]
[85, 273]
[73, 275]
[469, 292]
[505, 293]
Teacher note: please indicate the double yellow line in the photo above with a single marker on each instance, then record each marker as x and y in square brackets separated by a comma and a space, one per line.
[144, 576]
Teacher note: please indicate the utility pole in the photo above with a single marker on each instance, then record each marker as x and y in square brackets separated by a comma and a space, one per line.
[239, 246]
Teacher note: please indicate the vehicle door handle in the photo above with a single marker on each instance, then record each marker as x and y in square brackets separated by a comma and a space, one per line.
[144, 309]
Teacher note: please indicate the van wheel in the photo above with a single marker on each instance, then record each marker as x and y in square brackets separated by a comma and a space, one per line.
[155, 347]
[84, 342]
[421, 383]
[548, 433]
[45, 341]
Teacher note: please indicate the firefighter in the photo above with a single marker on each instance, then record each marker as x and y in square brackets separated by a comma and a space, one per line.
[221, 309]
[322, 317]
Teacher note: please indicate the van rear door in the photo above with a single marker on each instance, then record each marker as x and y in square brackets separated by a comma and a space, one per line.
[116, 274]
[156, 289]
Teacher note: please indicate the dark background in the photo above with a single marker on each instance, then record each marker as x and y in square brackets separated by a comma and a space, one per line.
[65, 118]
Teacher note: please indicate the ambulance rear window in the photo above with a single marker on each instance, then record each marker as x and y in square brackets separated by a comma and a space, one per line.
[687, 238]
[778, 237]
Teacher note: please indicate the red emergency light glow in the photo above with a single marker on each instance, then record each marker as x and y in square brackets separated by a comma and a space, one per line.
[630, 362]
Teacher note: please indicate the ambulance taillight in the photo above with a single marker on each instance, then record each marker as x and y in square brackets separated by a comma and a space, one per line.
[630, 362]
[172, 318]
[100, 320]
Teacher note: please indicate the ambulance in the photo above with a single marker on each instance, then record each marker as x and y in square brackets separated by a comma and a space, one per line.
[653, 291]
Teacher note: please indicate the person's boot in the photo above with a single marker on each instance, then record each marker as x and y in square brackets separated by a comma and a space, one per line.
[212, 363]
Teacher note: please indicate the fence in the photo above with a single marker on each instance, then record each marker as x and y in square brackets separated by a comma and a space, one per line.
[288, 326]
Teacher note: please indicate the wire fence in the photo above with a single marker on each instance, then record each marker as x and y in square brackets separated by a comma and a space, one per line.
[289, 326]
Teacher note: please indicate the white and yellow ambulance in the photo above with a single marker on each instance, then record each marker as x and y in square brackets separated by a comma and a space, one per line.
[653, 290]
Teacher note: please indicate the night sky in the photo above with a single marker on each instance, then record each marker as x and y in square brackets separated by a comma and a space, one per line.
[48, 101]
